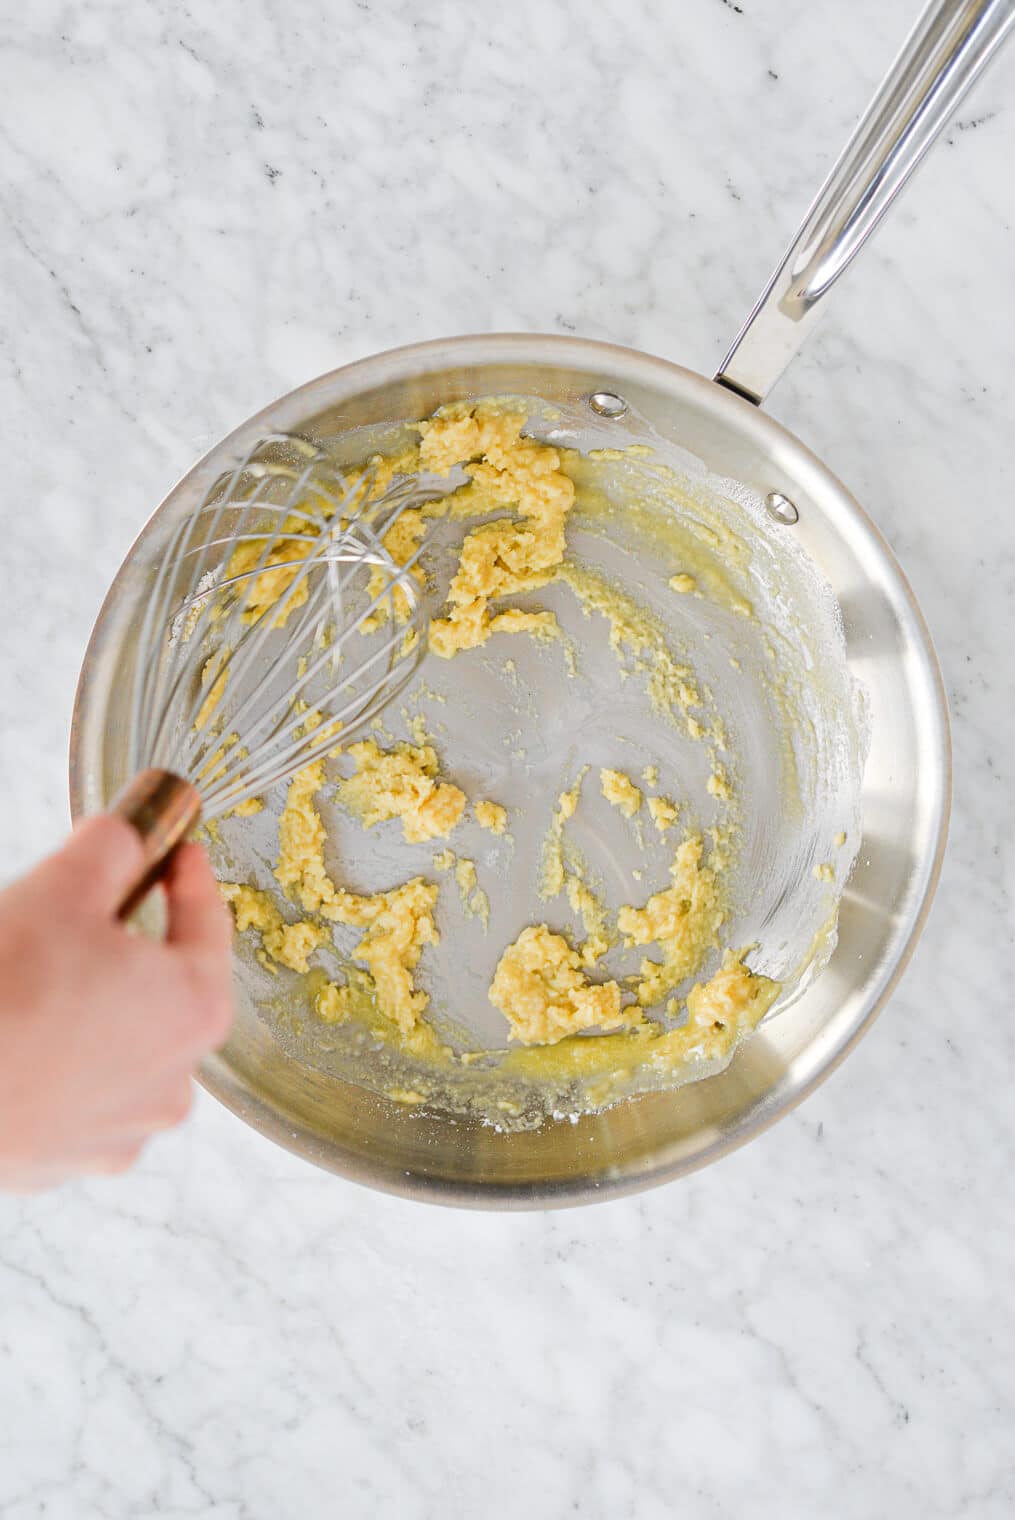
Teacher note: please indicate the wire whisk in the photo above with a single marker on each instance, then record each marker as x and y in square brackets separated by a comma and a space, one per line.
[278, 625]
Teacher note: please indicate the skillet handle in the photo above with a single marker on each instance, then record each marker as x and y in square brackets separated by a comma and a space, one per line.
[948, 49]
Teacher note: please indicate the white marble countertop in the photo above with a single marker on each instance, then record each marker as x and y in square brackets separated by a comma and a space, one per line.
[204, 206]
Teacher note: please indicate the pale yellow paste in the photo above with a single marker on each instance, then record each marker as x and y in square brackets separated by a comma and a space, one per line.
[683, 920]
[725, 1008]
[621, 791]
[246, 809]
[553, 872]
[491, 816]
[401, 783]
[663, 813]
[214, 678]
[543, 992]
[474, 899]
[718, 784]
[733, 998]
[398, 923]
[594, 917]
[273, 584]
[512, 554]
[290, 945]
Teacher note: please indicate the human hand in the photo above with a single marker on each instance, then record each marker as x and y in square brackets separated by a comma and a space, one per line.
[101, 1028]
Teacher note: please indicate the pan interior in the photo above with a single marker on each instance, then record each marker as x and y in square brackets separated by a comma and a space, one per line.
[700, 566]
[430, 1152]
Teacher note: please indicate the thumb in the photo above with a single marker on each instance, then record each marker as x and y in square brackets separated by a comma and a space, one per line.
[198, 918]
[96, 867]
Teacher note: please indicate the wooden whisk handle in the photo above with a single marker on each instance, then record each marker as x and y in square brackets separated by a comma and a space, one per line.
[163, 808]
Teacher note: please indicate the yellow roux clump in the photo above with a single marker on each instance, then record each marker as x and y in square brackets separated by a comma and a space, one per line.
[491, 816]
[543, 992]
[246, 809]
[398, 923]
[288, 944]
[621, 791]
[401, 783]
[725, 1008]
[509, 555]
[273, 583]
[663, 812]
[732, 998]
[683, 921]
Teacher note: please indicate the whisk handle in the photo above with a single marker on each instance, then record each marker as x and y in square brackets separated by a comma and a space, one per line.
[163, 808]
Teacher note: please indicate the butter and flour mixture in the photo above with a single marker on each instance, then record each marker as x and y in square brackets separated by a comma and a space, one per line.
[526, 887]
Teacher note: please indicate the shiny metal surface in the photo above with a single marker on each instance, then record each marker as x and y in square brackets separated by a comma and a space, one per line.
[948, 49]
[781, 509]
[606, 404]
[905, 796]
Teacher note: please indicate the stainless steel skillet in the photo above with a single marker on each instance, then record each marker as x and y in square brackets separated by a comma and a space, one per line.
[423, 1154]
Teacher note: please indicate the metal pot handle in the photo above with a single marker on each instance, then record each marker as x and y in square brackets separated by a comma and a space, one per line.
[948, 49]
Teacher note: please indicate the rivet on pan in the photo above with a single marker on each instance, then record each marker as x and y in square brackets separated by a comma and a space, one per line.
[607, 404]
[780, 509]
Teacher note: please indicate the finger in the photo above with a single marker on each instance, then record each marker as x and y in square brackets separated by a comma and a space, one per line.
[204, 1015]
[96, 868]
[198, 918]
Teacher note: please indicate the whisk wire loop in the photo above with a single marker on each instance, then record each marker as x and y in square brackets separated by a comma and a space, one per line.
[278, 621]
